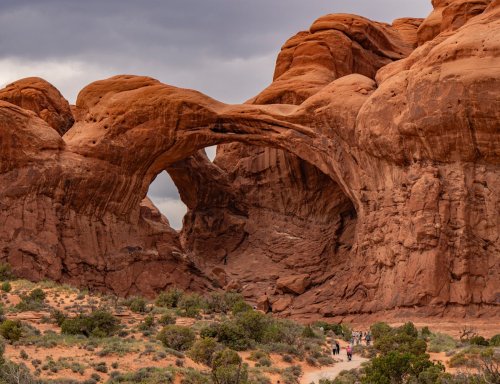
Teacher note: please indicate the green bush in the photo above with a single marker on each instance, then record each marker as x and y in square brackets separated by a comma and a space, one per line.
[5, 272]
[380, 329]
[229, 333]
[440, 342]
[136, 304]
[403, 339]
[240, 306]
[227, 368]
[166, 319]
[254, 323]
[58, 317]
[479, 340]
[346, 331]
[401, 358]
[334, 327]
[6, 287]
[97, 324]
[396, 367]
[11, 330]
[32, 302]
[194, 377]
[426, 332]
[190, 305]
[203, 350]
[169, 298]
[308, 332]
[495, 341]
[177, 337]
[258, 354]
[223, 302]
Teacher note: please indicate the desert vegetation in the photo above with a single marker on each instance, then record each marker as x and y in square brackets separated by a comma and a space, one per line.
[54, 333]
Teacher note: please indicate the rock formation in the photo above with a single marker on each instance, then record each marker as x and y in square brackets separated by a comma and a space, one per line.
[365, 178]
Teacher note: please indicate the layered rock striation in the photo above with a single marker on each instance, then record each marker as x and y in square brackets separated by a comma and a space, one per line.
[365, 178]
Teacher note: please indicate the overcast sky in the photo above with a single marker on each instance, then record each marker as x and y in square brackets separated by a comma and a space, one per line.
[224, 48]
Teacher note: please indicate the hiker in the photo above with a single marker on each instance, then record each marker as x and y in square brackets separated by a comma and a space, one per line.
[368, 338]
[338, 347]
[349, 352]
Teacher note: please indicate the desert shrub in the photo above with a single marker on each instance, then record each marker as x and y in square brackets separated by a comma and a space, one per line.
[32, 302]
[195, 377]
[380, 329]
[190, 305]
[282, 331]
[148, 375]
[479, 340]
[228, 333]
[101, 367]
[58, 317]
[425, 332]
[11, 373]
[264, 362]
[308, 332]
[240, 306]
[166, 319]
[6, 287]
[203, 349]
[5, 272]
[311, 361]
[223, 302]
[254, 322]
[98, 324]
[258, 354]
[334, 327]
[495, 341]
[169, 298]
[401, 358]
[403, 339]
[23, 355]
[148, 323]
[11, 330]
[346, 331]
[227, 368]
[177, 337]
[2, 313]
[352, 376]
[325, 360]
[287, 358]
[291, 374]
[397, 367]
[256, 377]
[440, 342]
[136, 304]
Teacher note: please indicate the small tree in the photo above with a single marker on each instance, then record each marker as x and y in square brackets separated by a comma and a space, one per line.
[177, 337]
[169, 298]
[11, 330]
[203, 350]
[227, 368]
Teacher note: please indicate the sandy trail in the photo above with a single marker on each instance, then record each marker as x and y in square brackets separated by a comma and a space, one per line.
[332, 372]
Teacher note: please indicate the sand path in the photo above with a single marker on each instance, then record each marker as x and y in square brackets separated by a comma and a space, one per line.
[332, 372]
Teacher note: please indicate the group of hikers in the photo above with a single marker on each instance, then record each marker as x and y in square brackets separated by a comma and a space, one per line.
[356, 339]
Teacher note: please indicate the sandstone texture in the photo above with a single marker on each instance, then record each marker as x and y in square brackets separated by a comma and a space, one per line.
[364, 179]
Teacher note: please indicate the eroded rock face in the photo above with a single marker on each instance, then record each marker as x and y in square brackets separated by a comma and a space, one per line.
[365, 178]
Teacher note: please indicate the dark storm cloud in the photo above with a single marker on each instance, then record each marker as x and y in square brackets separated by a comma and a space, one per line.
[184, 42]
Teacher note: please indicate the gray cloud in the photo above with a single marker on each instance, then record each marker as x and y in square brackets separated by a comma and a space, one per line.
[224, 48]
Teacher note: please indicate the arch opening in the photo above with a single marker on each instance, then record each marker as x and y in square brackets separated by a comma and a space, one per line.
[265, 210]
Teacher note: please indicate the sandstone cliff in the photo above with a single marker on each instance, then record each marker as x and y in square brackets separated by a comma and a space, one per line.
[365, 178]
